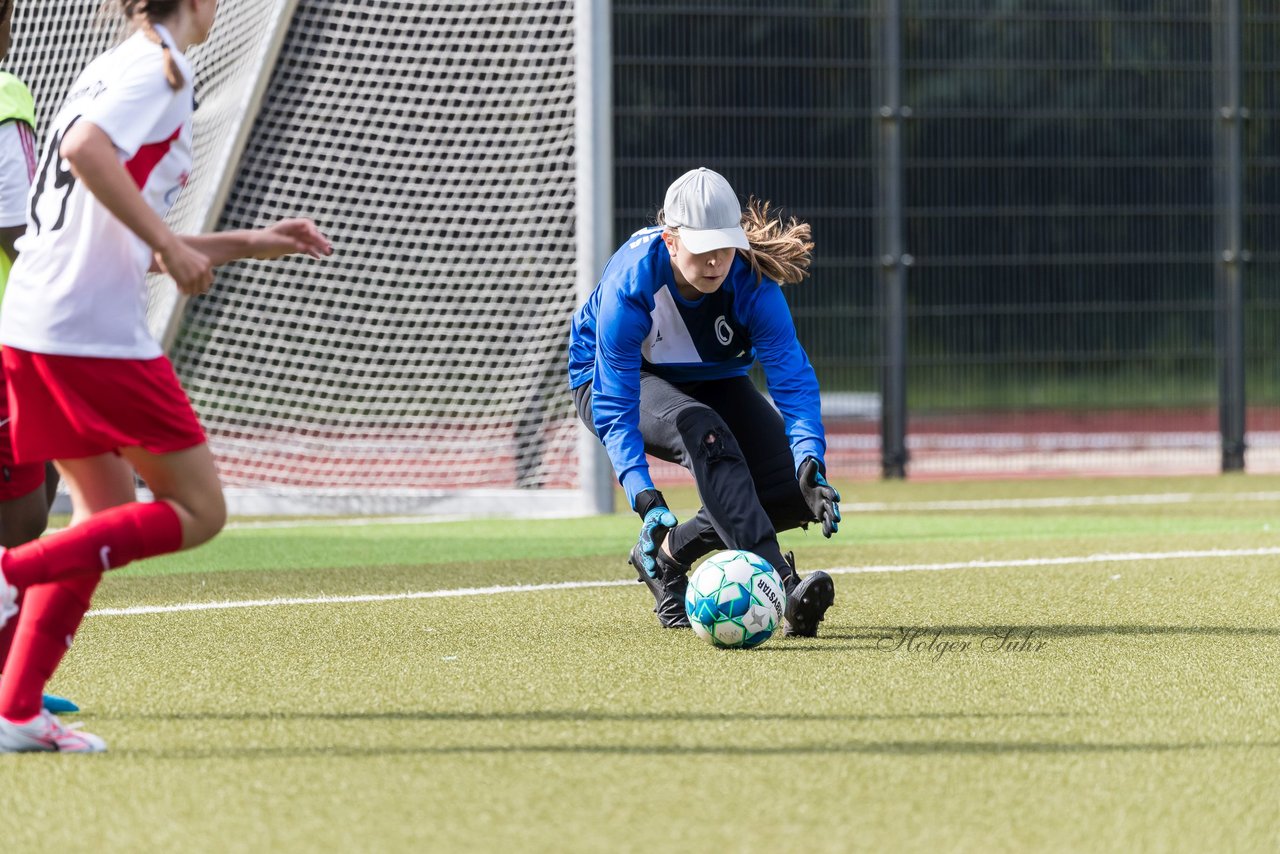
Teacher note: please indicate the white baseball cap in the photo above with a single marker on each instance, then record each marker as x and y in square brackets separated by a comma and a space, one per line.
[706, 210]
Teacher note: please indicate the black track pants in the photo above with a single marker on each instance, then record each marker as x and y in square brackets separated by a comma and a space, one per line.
[733, 442]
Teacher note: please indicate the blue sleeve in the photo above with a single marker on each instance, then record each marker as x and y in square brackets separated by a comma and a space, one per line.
[788, 374]
[621, 327]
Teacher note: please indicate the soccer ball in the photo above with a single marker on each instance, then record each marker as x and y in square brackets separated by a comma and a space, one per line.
[735, 600]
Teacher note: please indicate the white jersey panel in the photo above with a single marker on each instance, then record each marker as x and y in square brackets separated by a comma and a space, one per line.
[17, 166]
[669, 341]
[78, 287]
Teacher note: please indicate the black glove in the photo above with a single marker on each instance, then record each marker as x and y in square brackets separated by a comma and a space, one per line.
[658, 522]
[822, 498]
[648, 499]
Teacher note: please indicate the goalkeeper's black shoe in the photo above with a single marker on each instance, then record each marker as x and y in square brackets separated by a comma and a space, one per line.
[668, 587]
[807, 600]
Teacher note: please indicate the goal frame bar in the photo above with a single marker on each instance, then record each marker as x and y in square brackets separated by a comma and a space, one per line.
[597, 487]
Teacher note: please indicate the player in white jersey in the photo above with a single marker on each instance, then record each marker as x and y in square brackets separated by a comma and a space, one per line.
[88, 386]
[26, 489]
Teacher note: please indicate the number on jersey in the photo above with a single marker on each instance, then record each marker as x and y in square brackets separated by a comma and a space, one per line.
[64, 180]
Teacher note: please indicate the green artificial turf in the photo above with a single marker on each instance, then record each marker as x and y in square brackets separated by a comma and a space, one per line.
[1129, 704]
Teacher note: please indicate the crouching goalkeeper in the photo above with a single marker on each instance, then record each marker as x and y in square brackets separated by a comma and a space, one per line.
[658, 363]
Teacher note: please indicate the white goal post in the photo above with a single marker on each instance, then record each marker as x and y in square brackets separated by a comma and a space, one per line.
[458, 156]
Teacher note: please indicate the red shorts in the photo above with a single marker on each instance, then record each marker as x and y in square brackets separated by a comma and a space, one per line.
[16, 480]
[65, 407]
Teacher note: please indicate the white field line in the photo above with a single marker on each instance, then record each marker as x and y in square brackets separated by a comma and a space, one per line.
[366, 597]
[346, 522]
[1120, 557]
[1083, 501]
[846, 507]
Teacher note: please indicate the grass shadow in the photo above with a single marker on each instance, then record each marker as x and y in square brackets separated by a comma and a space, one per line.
[1053, 630]
[885, 638]
[564, 716]
[935, 748]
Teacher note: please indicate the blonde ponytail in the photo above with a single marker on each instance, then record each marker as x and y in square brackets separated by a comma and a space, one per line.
[143, 10]
[780, 250]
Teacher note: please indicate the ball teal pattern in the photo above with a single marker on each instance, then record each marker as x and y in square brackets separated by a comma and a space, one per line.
[735, 600]
[704, 610]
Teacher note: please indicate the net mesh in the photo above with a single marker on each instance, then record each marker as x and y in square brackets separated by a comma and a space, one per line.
[433, 143]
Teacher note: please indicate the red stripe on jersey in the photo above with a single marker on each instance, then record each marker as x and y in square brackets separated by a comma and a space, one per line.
[27, 137]
[148, 157]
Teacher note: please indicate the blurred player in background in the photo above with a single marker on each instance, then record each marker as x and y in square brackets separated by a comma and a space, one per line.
[26, 490]
[658, 363]
[88, 385]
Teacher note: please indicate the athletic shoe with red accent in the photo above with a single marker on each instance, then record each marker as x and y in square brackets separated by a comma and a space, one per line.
[45, 732]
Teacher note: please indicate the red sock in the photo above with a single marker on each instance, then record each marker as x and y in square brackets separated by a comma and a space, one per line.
[105, 540]
[50, 615]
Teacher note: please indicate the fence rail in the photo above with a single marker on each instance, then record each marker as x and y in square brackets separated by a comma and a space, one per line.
[1044, 227]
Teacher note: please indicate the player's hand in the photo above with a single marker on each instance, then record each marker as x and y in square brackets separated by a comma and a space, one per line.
[822, 498]
[291, 237]
[189, 268]
[658, 522]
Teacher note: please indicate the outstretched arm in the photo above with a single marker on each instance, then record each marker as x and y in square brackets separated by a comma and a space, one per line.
[189, 259]
[93, 159]
[287, 237]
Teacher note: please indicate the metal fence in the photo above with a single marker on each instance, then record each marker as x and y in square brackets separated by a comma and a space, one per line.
[1042, 225]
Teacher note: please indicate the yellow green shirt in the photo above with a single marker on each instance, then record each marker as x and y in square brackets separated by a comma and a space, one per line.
[16, 104]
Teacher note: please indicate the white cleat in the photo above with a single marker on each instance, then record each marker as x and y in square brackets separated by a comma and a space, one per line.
[45, 732]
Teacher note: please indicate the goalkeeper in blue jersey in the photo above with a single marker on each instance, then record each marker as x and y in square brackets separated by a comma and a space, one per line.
[658, 363]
